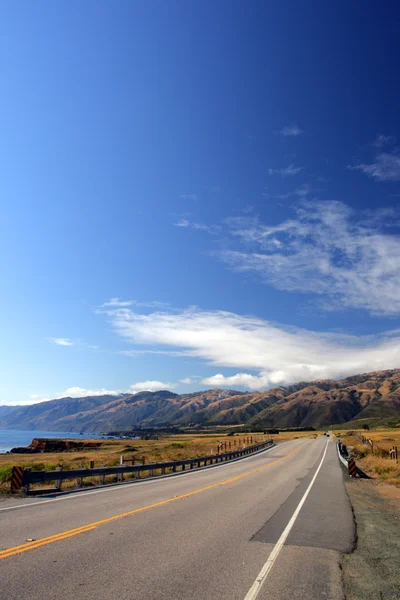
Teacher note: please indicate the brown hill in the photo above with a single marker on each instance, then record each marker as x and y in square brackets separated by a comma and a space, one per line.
[368, 397]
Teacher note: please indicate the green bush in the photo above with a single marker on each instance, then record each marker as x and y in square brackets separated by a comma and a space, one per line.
[5, 474]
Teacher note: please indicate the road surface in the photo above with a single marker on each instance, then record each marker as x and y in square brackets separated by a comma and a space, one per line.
[273, 525]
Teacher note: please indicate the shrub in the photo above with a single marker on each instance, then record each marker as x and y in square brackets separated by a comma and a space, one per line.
[5, 474]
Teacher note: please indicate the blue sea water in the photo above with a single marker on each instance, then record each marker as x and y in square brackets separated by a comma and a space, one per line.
[10, 438]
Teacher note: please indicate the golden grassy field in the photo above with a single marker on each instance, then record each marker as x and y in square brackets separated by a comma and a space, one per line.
[166, 448]
[374, 460]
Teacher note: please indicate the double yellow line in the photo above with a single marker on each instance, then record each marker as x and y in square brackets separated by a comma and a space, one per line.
[78, 530]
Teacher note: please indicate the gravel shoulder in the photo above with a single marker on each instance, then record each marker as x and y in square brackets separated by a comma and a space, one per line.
[372, 571]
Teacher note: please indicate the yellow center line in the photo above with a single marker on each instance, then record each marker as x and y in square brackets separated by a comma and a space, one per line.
[90, 526]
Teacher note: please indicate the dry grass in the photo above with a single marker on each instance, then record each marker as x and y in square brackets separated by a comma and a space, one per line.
[376, 463]
[167, 448]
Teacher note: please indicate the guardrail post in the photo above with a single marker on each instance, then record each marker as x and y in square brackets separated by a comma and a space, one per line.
[102, 479]
[79, 481]
[25, 487]
[91, 464]
[58, 482]
[120, 476]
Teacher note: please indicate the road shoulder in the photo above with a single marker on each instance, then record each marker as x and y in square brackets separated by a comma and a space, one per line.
[371, 572]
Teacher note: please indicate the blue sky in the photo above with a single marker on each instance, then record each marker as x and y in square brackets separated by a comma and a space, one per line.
[197, 194]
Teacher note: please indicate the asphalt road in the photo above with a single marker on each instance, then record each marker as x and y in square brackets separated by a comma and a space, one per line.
[273, 525]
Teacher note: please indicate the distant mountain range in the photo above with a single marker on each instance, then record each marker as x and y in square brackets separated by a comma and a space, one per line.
[372, 398]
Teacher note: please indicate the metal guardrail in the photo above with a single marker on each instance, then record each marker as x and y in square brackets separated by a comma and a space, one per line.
[30, 477]
[346, 460]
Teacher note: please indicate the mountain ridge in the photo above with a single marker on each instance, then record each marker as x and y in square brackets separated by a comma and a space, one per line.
[319, 403]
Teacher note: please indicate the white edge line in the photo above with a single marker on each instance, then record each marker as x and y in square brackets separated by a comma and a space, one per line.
[261, 577]
[127, 485]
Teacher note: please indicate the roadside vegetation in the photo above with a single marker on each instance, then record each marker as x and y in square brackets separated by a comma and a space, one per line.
[374, 459]
[166, 448]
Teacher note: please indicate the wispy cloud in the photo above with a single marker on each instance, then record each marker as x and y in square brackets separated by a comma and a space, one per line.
[61, 341]
[383, 140]
[187, 196]
[264, 353]
[301, 192]
[116, 302]
[386, 167]
[135, 353]
[326, 249]
[286, 171]
[213, 229]
[290, 130]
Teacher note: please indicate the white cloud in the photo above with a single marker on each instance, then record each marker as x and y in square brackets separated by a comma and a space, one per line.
[325, 250]
[38, 398]
[150, 386]
[187, 381]
[79, 392]
[286, 171]
[386, 167]
[251, 382]
[213, 229]
[61, 341]
[71, 392]
[275, 353]
[290, 130]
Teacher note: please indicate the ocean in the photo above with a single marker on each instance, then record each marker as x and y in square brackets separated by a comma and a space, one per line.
[10, 438]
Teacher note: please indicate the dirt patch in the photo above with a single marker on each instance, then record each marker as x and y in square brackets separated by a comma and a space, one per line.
[371, 572]
[390, 493]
